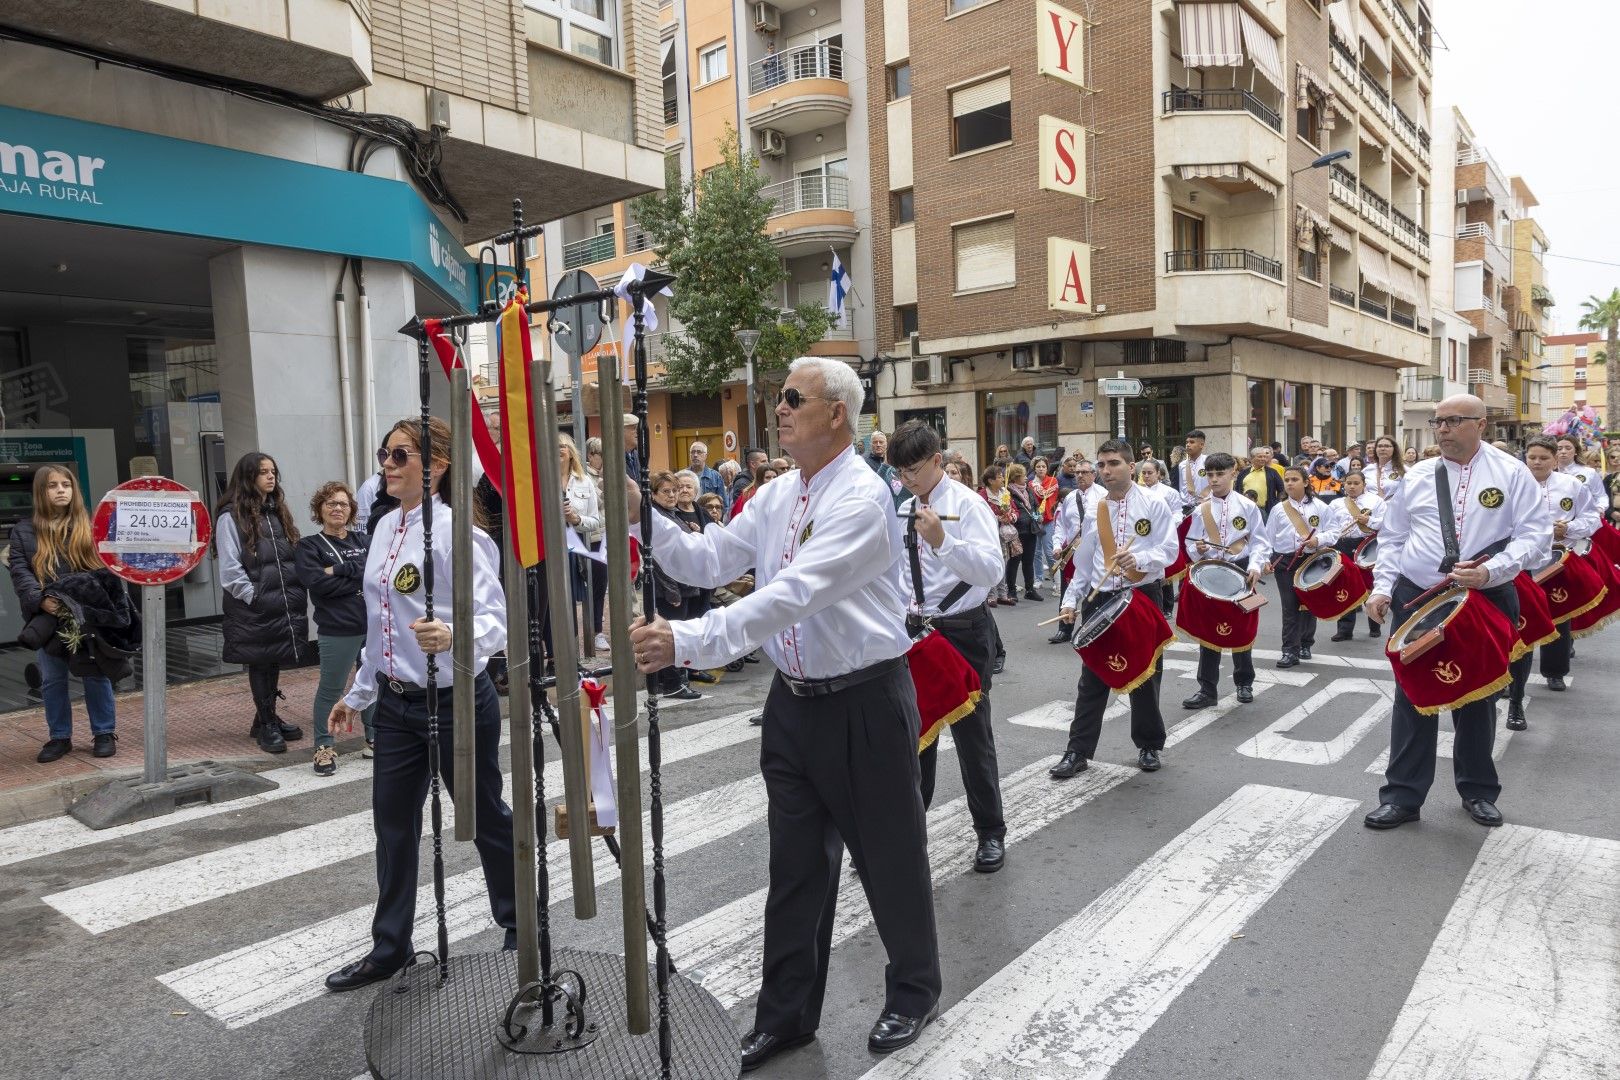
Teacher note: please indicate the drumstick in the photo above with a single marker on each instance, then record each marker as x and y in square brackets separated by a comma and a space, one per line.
[1110, 570]
[1049, 622]
[942, 517]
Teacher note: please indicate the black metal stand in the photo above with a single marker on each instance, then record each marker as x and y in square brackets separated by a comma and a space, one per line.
[467, 1022]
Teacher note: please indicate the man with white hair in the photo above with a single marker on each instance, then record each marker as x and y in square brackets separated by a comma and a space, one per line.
[839, 747]
[1026, 452]
[709, 482]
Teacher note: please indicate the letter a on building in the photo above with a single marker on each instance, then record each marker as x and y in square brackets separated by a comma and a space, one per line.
[1068, 275]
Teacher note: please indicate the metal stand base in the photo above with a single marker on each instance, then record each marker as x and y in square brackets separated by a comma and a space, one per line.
[132, 798]
[420, 1030]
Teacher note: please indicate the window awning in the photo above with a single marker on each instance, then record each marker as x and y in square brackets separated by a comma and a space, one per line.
[1403, 283]
[1263, 50]
[1307, 225]
[1340, 238]
[1376, 45]
[1424, 310]
[1210, 35]
[1229, 173]
[1374, 266]
[1342, 18]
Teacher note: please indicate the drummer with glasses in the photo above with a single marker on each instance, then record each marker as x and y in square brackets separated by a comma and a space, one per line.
[1575, 517]
[1356, 515]
[1227, 526]
[1296, 530]
[1139, 542]
[1498, 526]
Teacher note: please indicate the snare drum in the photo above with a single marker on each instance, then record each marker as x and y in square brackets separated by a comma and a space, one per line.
[1122, 639]
[1452, 650]
[1535, 625]
[1574, 586]
[1330, 584]
[947, 686]
[1366, 555]
[1218, 610]
[1178, 565]
[1607, 607]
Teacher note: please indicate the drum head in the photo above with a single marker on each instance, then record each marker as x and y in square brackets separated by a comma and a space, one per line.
[1367, 553]
[1219, 580]
[1432, 615]
[1093, 625]
[1317, 570]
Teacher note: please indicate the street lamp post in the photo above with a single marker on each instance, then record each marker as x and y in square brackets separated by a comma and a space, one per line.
[749, 340]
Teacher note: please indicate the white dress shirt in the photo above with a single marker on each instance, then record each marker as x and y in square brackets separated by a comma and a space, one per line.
[829, 597]
[1381, 480]
[1568, 500]
[1346, 526]
[1194, 479]
[1281, 536]
[971, 552]
[364, 498]
[1140, 519]
[1235, 516]
[1592, 478]
[1167, 492]
[1493, 497]
[1069, 513]
[396, 596]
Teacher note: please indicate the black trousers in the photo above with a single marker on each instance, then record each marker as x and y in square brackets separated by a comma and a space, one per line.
[1412, 734]
[674, 677]
[1347, 622]
[399, 787]
[264, 683]
[842, 770]
[1209, 660]
[1027, 561]
[1147, 723]
[1298, 625]
[974, 636]
[1555, 654]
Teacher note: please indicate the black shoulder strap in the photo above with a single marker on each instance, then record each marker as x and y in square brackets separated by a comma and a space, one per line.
[1448, 522]
[958, 591]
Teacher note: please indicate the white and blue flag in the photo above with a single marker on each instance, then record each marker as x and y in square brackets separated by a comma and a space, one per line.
[838, 286]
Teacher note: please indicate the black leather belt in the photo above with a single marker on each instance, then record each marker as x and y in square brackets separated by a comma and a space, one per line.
[408, 691]
[824, 687]
[962, 620]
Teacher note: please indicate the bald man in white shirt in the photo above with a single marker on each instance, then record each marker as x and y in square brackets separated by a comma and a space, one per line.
[839, 747]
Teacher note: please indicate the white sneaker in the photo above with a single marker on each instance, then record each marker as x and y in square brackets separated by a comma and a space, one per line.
[602, 644]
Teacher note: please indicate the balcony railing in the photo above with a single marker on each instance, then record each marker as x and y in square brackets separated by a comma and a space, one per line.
[1487, 305]
[1342, 184]
[819, 192]
[1343, 59]
[636, 238]
[1375, 208]
[1340, 295]
[1408, 131]
[1424, 388]
[1375, 93]
[589, 250]
[1178, 101]
[805, 62]
[1404, 21]
[1373, 307]
[1401, 318]
[1176, 262]
[672, 113]
[1477, 230]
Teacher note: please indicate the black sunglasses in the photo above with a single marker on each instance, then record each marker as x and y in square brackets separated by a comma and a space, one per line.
[399, 455]
[795, 399]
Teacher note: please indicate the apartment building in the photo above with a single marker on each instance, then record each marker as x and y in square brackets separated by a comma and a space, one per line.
[186, 186]
[791, 78]
[1526, 306]
[1227, 200]
[1574, 378]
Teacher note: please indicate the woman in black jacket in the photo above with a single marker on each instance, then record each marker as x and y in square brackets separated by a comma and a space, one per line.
[331, 565]
[1029, 533]
[675, 600]
[56, 542]
[265, 624]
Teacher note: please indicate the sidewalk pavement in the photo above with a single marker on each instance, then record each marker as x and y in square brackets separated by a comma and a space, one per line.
[208, 721]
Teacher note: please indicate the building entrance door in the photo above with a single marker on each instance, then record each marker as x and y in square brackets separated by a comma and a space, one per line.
[1162, 416]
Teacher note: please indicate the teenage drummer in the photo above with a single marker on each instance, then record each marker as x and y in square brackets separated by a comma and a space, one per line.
[1227, 526]
[1136, 542]
[1575, 516]
[1357, 516]
[1477, 527]
[1299, 528]
[1077, 506]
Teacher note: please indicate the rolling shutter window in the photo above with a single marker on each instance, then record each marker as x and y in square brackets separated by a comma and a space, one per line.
[984, 254]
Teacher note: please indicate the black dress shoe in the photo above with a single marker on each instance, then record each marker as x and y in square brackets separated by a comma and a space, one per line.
[1343, 635]
[701, 677]
[106, 744]
[1245, 694]
[1483, 811]
[1555, 682]
[1199, 700]
[1148, 760]
[1516, 720]
[54, 749]
[1388, 816]
[685, 693]
[354, 976]
[991, 854]
[1031, 594]
[758, 1047]
[1304, 652]
[1063, 633]
[1375, 631]
[893, 1031]
[751, 659]
[1290, 658]
[999, 665]
[510, 944]
[1067, 766]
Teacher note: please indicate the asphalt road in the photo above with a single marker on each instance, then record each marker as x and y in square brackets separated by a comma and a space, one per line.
[1226, 917]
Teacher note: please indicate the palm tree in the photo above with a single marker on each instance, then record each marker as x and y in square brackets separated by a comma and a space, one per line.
[1603, 316]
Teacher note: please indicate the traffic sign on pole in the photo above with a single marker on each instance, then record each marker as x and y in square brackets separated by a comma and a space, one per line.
[1120, 387]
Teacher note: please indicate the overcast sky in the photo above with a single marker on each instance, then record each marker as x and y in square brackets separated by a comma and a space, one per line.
[1535, 82]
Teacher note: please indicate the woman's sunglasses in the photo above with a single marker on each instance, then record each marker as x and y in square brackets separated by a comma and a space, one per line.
[399, 455]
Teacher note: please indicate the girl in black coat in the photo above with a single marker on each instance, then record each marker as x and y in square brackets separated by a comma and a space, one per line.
[265, 623]
[57, 542]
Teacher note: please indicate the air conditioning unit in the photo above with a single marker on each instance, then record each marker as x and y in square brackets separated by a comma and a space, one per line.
[772, 143]
[1057, 354]
[922, 372]
[1023, 357]
[767, 20]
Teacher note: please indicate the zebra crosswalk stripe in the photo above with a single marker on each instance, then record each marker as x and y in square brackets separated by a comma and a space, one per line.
[1073, 1005]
